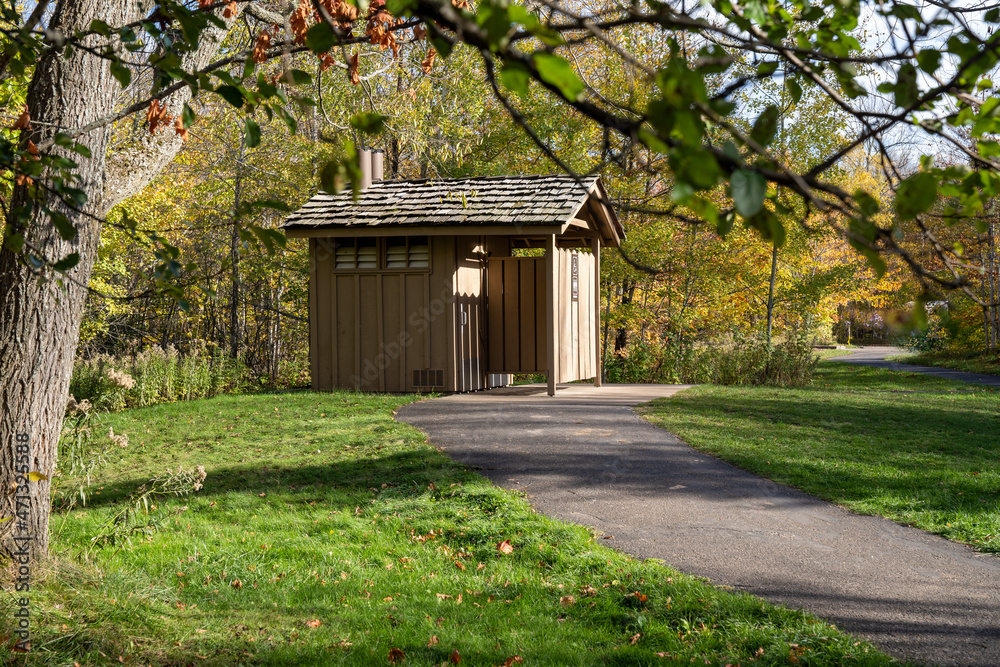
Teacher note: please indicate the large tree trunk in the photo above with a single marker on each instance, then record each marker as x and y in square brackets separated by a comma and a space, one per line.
[40, 314]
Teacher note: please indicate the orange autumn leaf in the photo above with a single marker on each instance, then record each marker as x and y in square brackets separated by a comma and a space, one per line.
[299, 20]
[428, 63]
[352, 70]
[567, 600]
[261, 46]
[432, 641]
[505, 547]
[455, 658]
[202, 4]
[460, 566]
[513, 660]
[230, 10]
[639, 596]
[396, 655]
[419, 32]
[236, 583]
[635, 638]
[179, 128]
[157, 116]
[325, 62]
[315, 623]
[23, 121]
[32, 148]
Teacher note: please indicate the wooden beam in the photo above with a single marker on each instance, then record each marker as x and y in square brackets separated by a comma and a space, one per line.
[521, 231]
[596, 249]
[551, 325]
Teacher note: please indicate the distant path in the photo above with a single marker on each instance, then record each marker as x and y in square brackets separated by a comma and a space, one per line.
[585, 456]
[875, 356]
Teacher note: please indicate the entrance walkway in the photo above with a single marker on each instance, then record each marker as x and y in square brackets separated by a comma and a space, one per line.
[586, 457]
[876, 357]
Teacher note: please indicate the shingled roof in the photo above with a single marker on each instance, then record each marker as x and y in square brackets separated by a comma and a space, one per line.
[487, 201]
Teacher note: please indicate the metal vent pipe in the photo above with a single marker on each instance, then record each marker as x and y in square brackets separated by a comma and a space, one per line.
[365, 158]
[377, 161]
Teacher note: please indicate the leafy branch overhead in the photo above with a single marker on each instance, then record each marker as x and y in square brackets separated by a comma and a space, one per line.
[930, 82]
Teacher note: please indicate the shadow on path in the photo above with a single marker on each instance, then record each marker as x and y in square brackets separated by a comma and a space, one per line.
[915, 595]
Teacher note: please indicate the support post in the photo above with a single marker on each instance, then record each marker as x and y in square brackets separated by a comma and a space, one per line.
[551, 306]
[595, 246]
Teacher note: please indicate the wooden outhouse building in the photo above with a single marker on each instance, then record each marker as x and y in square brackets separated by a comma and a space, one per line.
[416, 285]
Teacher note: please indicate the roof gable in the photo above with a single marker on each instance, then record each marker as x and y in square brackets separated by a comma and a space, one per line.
[501, 201]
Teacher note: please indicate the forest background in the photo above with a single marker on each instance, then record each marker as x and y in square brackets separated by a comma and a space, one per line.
[232, 313]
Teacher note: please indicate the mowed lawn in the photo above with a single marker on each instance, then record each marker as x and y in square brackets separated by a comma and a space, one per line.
[328, 533]
[919, 450]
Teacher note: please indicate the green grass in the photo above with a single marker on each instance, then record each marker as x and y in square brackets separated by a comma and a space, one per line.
[927, 458]
[971, 362]
[349, 536]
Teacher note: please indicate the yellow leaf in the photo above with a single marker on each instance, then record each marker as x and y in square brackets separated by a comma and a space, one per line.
[36, 476]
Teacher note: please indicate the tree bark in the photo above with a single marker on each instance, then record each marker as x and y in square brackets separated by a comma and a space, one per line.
[770, 292]
[40, 312]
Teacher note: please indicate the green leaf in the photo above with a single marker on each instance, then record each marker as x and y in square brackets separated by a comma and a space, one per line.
[231, 94]
[748, 189]
[100, 27]
[67, 262]
[866, 203]
[725, 224]
[187, 116]
[555, 71]
[368, 123]
[252, 133]
[65, 228]
[769, 226]
[929, 59]
[767, 68]
[794, 89]
[14, 242]
[905, 90]
[297, 77]
[121, 72]
[320, 37]
[916, 194]
[515, 76]
[766, 126]
[331, 177]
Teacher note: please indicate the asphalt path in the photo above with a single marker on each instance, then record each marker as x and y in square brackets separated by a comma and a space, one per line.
[876, 357]
[585, 456]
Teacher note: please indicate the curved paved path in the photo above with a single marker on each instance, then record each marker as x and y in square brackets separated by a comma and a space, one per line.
[876, 357]
[586, 457]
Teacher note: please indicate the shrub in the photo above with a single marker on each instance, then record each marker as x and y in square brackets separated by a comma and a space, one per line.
[739, 361]
[155, 375]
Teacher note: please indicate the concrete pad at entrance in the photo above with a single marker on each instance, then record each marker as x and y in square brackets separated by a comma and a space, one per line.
[585, 456]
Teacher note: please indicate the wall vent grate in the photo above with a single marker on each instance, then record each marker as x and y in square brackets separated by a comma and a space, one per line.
[428, 377]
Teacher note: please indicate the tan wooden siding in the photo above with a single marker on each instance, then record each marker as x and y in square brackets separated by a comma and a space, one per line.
[371, 330]
[516, 315]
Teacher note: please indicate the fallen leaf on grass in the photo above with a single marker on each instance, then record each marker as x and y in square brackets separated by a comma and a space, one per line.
[505, 547]
[460, 566]
[639, 596]
[315, 623]
[237, 584]
[635, 638]
[567, 601]
[513, 660]
[455, 658]
[432, 641]
[396, 655]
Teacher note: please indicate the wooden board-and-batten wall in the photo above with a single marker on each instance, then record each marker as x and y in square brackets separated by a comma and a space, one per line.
[400, 330]
[518, 314]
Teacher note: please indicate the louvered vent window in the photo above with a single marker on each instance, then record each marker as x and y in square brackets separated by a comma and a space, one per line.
[407, 252]
[361, 253]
